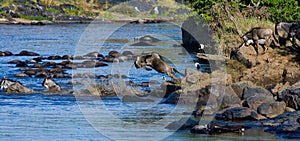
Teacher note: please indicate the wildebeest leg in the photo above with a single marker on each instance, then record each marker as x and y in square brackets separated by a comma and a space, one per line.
[294, 41]
[256, 43]
[256, 47]
[267, 44]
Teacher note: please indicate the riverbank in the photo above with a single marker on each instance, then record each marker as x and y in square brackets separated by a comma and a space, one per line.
[56, 12]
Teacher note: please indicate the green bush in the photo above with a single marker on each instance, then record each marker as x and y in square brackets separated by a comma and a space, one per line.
[38, 18]
[279, 10]
[283, 10]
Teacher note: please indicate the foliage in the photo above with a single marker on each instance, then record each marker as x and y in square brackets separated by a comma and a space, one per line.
[38, 18]
[283, 10]
[279, 10]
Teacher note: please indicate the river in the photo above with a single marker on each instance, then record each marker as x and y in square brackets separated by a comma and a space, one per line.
[40, 117]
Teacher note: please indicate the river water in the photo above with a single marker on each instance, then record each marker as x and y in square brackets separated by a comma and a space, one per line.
[40, 117]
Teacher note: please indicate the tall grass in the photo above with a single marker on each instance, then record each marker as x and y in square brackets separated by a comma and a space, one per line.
[47, 3]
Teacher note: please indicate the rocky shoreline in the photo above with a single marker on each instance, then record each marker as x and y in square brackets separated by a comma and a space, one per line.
[235, 107]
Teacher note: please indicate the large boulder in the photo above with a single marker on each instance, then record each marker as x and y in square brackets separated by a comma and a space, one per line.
[239, 87]
[255, 96]
[193, 76]
[271, 110]
[240, 113]
[195, 32]
[291, 96]
[230, 99]
[245, 55]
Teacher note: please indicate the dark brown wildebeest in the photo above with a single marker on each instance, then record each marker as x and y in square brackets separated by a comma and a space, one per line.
[286, 30]
[154, 61]
[50, 85]
[295, 33]
[11, 86]
[258, 36]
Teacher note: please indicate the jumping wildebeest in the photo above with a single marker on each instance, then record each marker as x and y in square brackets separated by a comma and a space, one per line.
[50, 85]
[11, 86]
[258, 36]
[154, 61]
[286, 30]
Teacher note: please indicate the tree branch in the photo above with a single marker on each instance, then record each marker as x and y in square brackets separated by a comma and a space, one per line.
[233, 20]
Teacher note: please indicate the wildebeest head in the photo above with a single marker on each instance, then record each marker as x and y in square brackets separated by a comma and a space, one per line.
[295, 30]
[283, 28]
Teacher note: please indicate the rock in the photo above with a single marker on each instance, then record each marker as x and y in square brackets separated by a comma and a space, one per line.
[240, 113]
[200, 129]
[230, 99]
[169, 88]
[172, 98]
[239, 87]
[253, 91]
[27, 53]
[246, 55]
[182, 124]
[288, 131]
[129, 98]
[288, 109]
[291, 96]
[148, 39]
[271, 110]
[280, 87]
[254, 96]
[141, 44]
[291, 74]
[195, 32]
[192, 76]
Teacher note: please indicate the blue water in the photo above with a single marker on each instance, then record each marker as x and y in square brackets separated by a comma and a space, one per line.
[40, 117]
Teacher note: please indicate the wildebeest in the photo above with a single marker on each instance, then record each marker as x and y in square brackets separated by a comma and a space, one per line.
[258, 36]
[50, 85]
[286, 30]
[11, 86]
[154, 61]
[295, 33]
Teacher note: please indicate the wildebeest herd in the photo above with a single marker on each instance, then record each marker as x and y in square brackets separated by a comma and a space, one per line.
[265, 36]
[42, 67]
[256, 36]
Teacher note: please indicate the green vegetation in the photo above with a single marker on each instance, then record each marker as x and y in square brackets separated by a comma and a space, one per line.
[38, 18]
[275, 10]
